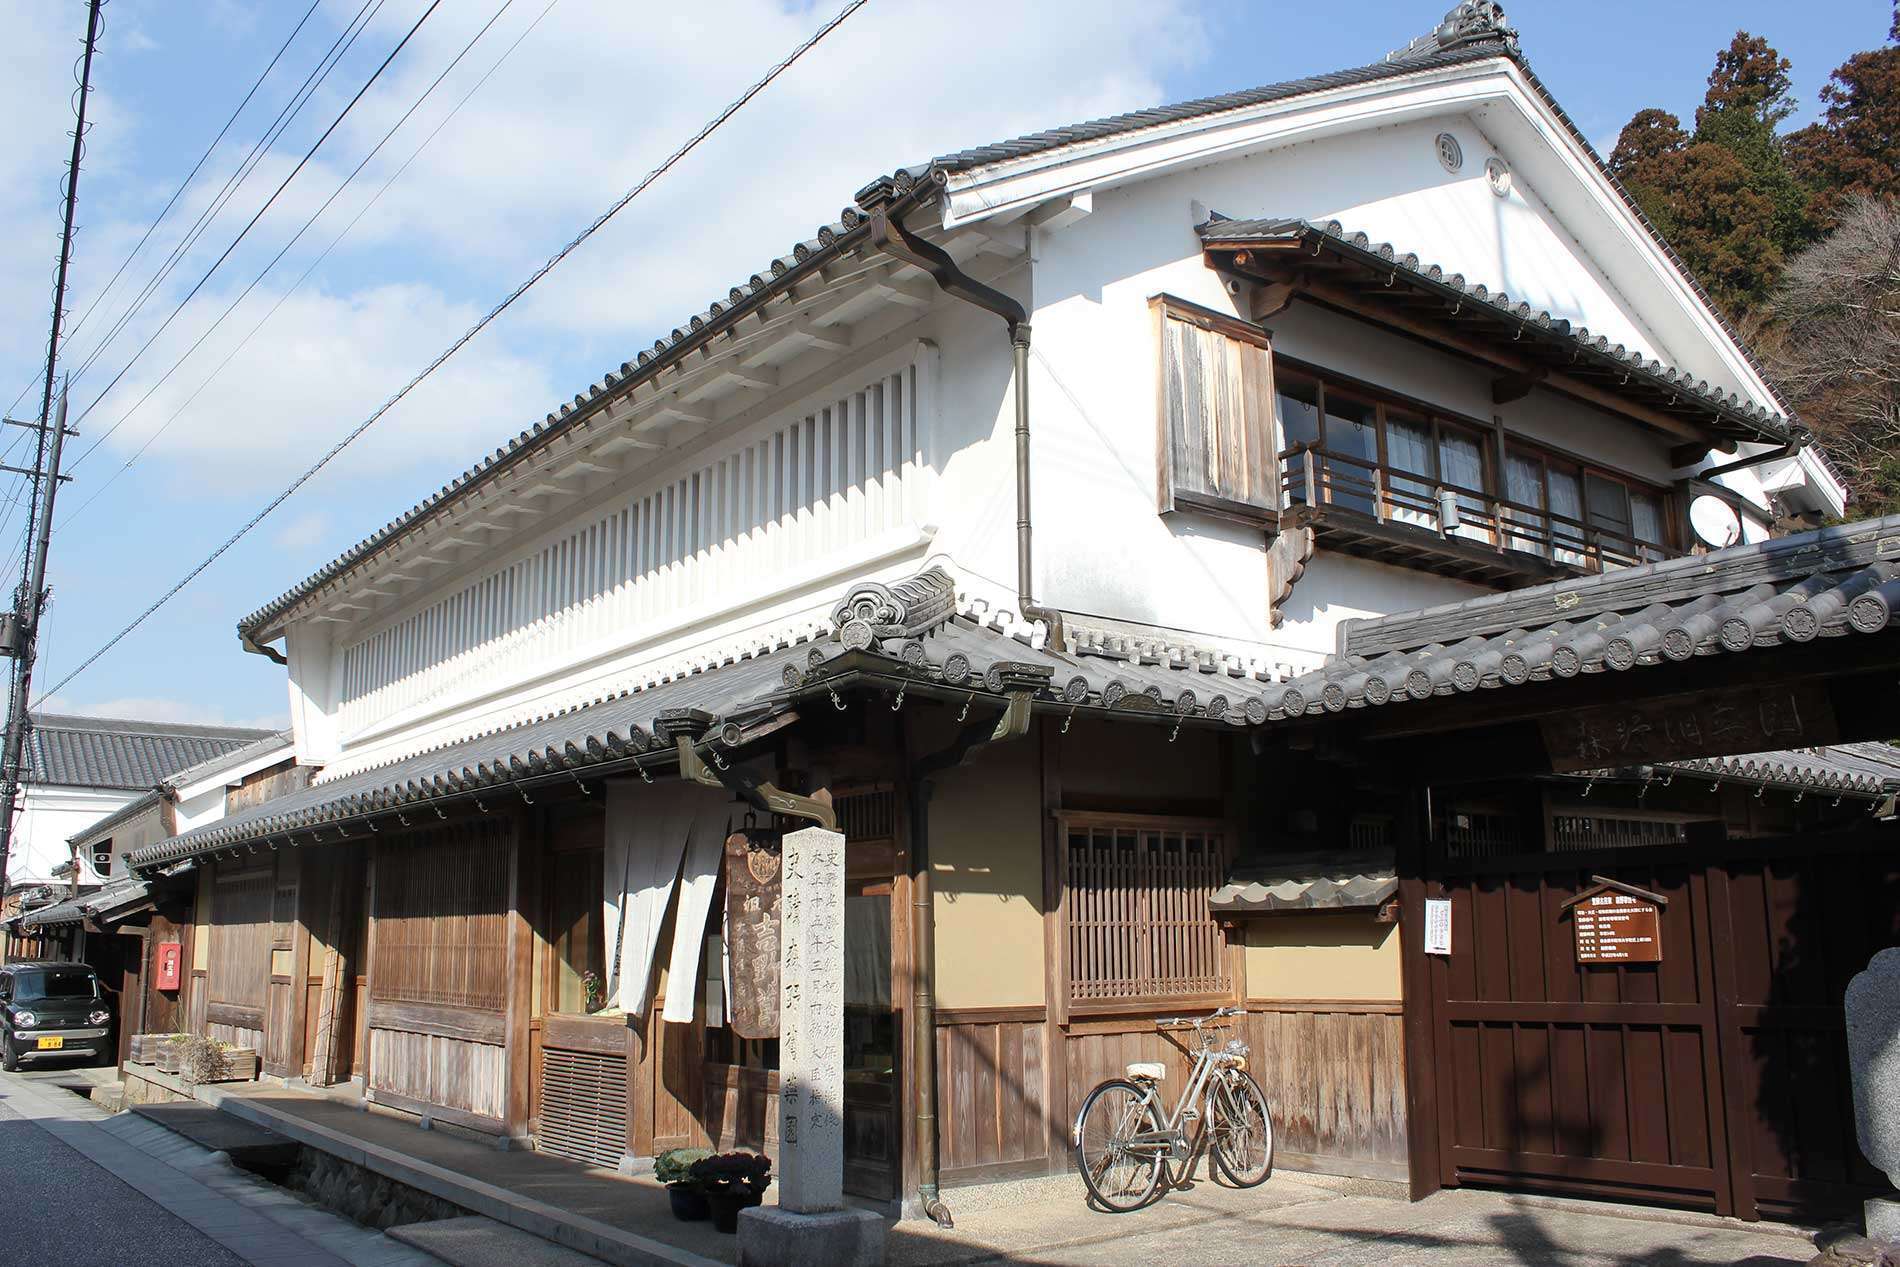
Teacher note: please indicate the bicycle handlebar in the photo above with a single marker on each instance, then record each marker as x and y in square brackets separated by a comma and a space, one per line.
[1165, 1022]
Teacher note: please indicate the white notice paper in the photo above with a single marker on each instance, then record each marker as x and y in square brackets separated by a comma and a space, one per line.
[1437, 926]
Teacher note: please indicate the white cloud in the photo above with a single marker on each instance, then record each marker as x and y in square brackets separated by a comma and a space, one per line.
[590, 101]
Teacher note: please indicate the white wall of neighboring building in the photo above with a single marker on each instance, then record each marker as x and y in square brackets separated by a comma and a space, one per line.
[201, 798]
[51, 814]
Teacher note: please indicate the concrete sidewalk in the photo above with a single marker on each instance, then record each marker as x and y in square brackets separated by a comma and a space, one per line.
[1303, 1220]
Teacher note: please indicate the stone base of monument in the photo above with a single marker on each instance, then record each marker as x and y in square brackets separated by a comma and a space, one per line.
[771, 1237]
[1883, 1219]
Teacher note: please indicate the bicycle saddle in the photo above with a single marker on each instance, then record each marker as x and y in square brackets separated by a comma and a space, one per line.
[1153, 1071]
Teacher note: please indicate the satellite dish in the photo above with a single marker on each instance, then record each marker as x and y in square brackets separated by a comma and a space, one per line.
[1715, 521]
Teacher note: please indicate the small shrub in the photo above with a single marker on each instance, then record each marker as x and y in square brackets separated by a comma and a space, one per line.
[201, 1059]
[738, 1172]
[675, 1165]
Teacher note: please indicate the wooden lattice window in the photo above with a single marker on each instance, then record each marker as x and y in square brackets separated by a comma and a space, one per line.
[441, 911]
[1137, 927]
[239, 967]
[1216, 413]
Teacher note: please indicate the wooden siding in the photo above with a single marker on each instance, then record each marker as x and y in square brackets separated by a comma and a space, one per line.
[267, 785]
[437, 1071]
[1334, 1074]
[992, 1086]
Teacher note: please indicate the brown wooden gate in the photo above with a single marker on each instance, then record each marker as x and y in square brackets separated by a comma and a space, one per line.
[1715, 1079]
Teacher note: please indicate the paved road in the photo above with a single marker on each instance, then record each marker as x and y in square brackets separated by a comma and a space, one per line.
[63, 1209]
[82, 1187]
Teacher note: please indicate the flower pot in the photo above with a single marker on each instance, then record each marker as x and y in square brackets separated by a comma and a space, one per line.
[726, 1206]
[689, 1203]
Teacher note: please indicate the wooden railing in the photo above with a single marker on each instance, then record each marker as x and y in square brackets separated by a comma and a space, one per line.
[1314, 476]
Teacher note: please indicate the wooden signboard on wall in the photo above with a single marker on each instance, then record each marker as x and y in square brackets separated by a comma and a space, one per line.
[1617, 923]
[1681, 727]
[752, 927]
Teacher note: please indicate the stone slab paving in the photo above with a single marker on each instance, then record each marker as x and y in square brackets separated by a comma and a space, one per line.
[170, 1194]
[1289, 1223]
[478, 1242]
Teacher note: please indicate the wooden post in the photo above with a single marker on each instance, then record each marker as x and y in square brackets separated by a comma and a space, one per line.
[1055, 1064]
[1420, 1024]
[295, 1057]
[520, 951]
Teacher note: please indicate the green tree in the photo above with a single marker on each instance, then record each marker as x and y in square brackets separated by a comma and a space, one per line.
[1703, 198]
[1855, 148]
[1749, 97]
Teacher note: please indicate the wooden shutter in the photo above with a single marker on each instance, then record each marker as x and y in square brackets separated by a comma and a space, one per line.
[583, 1106]
[1216, 413]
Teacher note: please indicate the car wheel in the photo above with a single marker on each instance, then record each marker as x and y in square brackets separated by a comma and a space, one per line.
[9, 1061]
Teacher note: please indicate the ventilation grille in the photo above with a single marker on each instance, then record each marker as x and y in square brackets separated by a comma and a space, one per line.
[583, 1106]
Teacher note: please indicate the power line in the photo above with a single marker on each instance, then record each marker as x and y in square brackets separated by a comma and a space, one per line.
[312, 267]
[283, 251]
[193, 173]
[331, 59]
[613, 210]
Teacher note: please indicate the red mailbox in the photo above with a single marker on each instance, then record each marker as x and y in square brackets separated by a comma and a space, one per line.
[170, 956]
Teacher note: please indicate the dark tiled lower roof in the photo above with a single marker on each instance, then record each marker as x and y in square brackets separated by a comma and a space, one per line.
[1342, 881]
[115, 898]
[1513, 316]
[1850, 769]
[106, 752]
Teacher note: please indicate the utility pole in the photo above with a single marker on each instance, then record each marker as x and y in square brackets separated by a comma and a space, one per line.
[31, 598]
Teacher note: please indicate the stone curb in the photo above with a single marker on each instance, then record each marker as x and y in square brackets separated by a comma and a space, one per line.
[550, 1223]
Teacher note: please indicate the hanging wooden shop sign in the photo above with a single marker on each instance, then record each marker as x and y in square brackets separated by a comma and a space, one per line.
[1617, 923]
[753, 885]
[1681, 727]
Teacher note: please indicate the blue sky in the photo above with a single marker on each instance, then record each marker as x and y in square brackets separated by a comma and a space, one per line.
[594, 94]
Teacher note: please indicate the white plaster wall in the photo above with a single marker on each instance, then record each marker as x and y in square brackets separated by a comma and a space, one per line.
[48, 817]
[1101, 548]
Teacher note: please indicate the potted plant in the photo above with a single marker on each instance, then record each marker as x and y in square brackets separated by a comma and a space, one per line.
[732, 1182]
[674, 1168]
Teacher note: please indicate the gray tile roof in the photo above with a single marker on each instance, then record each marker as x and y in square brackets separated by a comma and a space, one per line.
[1508, 317]
[229, 760]
[1834, 582]
[1343, 881]
[1849, 769]
[607, 737]
[113, 899]
[107, 752]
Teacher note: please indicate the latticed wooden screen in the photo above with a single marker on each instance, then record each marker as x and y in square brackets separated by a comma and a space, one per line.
[1135, 901]
[239, 967]
[441, 909]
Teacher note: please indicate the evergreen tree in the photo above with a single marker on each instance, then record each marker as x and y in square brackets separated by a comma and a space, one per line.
[1855, 148]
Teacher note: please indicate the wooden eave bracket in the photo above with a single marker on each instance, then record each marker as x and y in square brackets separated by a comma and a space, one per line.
[755, 792]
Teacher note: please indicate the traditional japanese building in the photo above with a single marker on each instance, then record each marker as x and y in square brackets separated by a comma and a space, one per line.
[1293, 549]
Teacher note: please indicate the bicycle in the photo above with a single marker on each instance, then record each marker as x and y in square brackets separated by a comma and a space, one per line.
[1124, 1147]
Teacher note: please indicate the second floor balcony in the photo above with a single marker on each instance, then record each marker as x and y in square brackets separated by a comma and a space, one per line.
[1541, 525]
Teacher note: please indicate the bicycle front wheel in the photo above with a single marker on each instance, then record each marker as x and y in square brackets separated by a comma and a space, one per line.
[1242, 1130]
[1118, 1148]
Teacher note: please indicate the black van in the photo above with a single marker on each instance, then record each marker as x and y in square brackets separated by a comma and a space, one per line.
[52, 1010]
